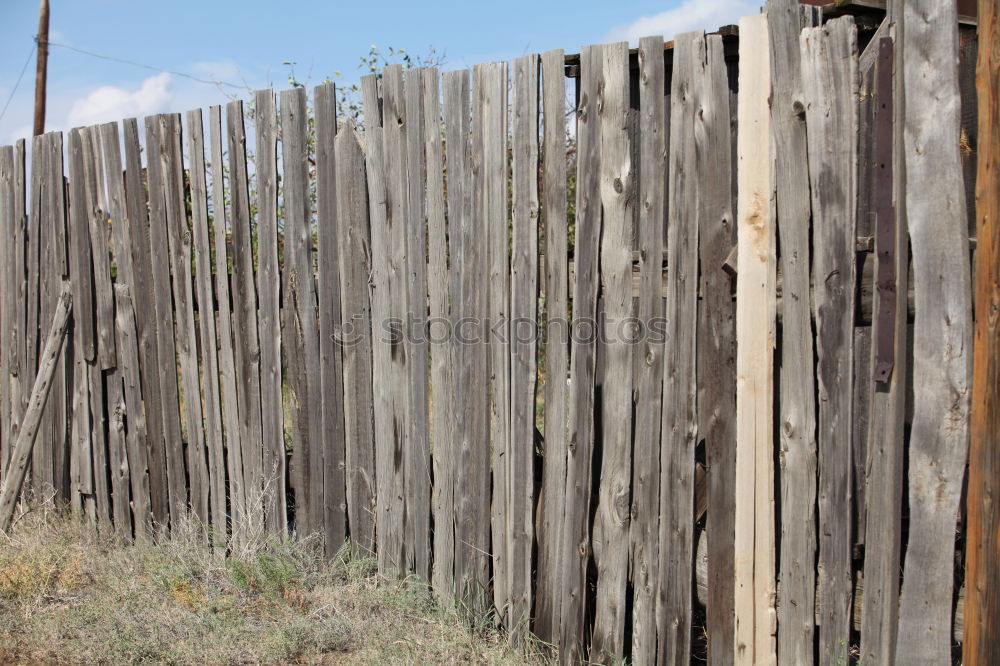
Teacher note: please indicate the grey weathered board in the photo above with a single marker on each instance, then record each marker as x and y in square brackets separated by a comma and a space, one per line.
[942, 335]
[717, 350]
[354, 260]
[246, 345]
[830, 87]
[9, 282]
[332, 406]
[796, 402]
[208, 347]
[556, 339]
[268, 314]
[523, 340]
[575, 546]
[616, 185]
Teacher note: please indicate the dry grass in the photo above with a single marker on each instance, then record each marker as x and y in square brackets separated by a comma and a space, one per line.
[70, 595]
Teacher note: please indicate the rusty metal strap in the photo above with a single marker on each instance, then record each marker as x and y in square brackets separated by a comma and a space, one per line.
[884, 321]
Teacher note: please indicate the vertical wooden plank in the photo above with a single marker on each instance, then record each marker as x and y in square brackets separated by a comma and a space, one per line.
[245, 334]
[300, 313]
[42, 464]
[491, 109]
[755, 324]
[717, 351]
[982, 606]
[335, 516]
[942, 337]
[135, 435]
[417, 455]
[616, 192]
[209, 360]
[797, 402]
[388, 469]
[19, 387]
[117, 455]
[136, 201]
[227, 357]
[8, 302]
[575, 548]
[556, 338]
[442, 423]
[165, 343]
[12, 166]
[829, 74]
[883, 529]
[680, 425]
[472, 501]
[268, 314]
[179, 235]
[523, 339]
[354, 260]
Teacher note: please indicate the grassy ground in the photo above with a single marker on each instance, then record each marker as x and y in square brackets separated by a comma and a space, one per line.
[69, 595]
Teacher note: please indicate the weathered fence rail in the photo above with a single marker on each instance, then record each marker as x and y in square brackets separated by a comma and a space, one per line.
[640, 387]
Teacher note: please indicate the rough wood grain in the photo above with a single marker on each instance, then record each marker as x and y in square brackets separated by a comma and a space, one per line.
[8, 305]
[209, 359]
[717, 351]
[355, 263]
[523, 340]
[246, 343]
[575, 547]
[556, 339]
[21, 453]
[268, 314]
[442, 423]
[331, 372]
[755, 324]
[388, 470]
[797, 401]
[416, 456]
[227, 357]
[166, 350]
[830, 77]
[136, 202]
[942, 336]
[982, 605]
[300, 325]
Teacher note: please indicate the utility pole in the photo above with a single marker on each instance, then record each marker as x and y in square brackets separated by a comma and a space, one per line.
[41, 69]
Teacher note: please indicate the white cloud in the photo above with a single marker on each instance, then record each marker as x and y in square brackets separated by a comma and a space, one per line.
[109, 103]
[690, 15]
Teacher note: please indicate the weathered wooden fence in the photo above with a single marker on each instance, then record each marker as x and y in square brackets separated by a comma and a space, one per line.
[665, 386]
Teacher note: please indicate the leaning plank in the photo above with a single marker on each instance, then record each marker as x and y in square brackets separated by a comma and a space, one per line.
[416, 456]
[755, 324]
[575, 544]
[354, 260]
[556, 340]
[145, 321]
[523, 341]
[942, 337]
[329, 300]
[472, 526]
[300, 323]
[617, 182]
[829, 75]
[389, 489]
[717, 351]
[227, 357]
[165, 343]
[245, 333]
[797, 402]
[268, 314]
[491, 187]
[442, 423]
[208, 348]
[21, 453]
[982, 606]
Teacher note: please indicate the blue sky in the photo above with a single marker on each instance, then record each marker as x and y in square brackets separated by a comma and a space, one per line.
[246, 42]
